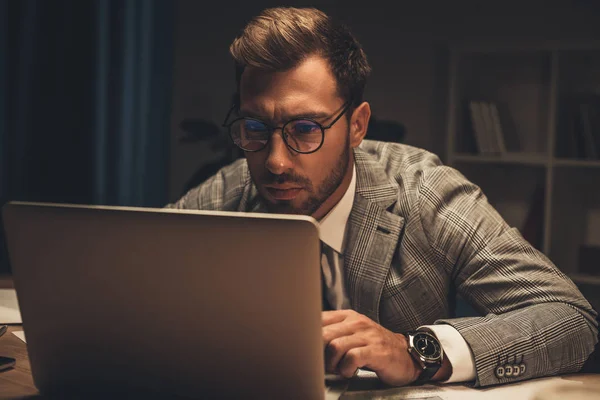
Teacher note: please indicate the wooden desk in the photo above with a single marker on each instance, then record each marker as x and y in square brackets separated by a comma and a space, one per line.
[15, 383]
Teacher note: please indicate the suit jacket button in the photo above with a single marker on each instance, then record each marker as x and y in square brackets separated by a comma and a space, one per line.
[508, 370]
[522, 368]
[516, 370]
[500, 372]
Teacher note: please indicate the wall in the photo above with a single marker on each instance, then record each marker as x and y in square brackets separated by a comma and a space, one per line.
[404, 42]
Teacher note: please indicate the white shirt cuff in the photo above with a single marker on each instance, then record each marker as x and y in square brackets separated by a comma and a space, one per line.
[457, 350]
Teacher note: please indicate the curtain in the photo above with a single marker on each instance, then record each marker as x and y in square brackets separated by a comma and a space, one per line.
[85, 101]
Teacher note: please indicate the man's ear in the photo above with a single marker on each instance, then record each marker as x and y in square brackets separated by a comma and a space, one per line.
[359, 121]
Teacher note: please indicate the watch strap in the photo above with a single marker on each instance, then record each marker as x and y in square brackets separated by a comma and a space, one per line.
[428, 373]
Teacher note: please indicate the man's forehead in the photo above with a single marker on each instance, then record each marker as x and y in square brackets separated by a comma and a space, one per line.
[284, 111]
[308, 89]
[312, 76]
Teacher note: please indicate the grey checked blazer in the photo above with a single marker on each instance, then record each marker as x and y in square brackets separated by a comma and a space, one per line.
[420, 232]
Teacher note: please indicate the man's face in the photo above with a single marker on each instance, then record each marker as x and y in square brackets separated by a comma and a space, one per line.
[290, 182]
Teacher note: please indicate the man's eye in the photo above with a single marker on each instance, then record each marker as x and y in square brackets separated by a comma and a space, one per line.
[304, 127]
[253, 126]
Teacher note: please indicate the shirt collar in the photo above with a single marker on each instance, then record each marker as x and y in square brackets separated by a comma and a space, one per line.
[332, 227]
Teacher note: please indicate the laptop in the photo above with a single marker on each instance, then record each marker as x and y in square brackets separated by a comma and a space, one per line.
[189, 303]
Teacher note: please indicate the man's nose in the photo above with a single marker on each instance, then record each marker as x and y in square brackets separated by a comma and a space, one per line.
[279, 159]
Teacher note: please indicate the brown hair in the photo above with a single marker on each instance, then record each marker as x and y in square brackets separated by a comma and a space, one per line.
[281, 38]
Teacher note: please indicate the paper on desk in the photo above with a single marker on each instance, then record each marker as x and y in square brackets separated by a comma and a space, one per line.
[9, 307]
[20, 335]
[360, 374]
[365, 374]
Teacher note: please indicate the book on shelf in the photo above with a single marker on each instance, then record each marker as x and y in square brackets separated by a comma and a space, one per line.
[490, 131]
[478, 128]
[487, 127]
[493, 109]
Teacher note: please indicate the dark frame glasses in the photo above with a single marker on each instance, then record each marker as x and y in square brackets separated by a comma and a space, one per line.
[290, 138]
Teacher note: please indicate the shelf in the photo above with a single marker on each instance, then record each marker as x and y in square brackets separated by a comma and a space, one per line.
[534, 88]
[507, 158]
[585, 279]
[565, 162]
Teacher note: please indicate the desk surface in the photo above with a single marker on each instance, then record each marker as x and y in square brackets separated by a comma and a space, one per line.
[17, 383]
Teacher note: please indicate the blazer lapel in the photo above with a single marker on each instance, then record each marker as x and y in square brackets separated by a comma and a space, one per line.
[372, 235]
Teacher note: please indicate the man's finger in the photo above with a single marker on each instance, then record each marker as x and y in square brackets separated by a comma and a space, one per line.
[333, 317]
[337, 349]
[354, 358]
[334, 331]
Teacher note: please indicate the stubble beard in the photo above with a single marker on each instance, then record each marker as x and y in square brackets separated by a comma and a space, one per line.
[323, 192]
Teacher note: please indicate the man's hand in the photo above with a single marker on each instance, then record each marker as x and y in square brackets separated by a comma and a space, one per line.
[353, 341]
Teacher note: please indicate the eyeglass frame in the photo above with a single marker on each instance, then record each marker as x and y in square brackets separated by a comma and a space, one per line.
[272, 129]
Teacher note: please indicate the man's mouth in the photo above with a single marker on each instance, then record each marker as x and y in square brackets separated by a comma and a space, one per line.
[283, 192]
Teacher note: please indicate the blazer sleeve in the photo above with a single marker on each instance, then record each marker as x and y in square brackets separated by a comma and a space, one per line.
[223, 191]
[531, 312]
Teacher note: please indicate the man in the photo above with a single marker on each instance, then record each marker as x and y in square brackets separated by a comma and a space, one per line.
[401, 233]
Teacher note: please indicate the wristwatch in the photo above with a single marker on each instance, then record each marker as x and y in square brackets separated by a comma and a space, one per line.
[427, 351]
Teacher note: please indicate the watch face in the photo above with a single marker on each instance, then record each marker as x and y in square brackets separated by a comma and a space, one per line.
[427, 346]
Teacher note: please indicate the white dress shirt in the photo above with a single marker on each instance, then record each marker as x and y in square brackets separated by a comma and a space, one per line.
[332, 231]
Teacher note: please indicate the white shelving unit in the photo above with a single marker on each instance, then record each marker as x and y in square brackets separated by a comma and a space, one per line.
[537, 186]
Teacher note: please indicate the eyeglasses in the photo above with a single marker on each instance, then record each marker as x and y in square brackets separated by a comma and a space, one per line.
[303, 135]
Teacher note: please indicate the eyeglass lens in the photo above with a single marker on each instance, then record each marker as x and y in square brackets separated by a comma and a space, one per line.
[301, 135]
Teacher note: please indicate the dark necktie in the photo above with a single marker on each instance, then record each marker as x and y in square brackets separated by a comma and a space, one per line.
[324, 264]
